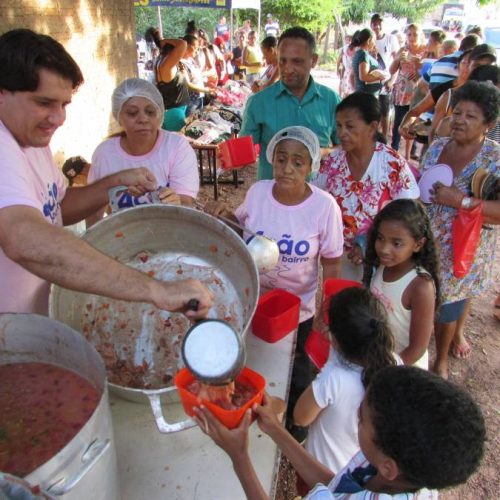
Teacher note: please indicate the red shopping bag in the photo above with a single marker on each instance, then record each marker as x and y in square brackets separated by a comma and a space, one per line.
[465, 233]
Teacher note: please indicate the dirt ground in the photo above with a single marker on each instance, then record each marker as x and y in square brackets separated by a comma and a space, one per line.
[480, 373]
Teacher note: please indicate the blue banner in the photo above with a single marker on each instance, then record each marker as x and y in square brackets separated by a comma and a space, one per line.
[209, 4]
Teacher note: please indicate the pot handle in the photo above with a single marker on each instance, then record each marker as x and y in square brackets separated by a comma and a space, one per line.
[90, 457]
[161, 423]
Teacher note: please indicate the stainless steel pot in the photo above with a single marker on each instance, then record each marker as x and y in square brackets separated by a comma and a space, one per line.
[86, 466]
[176, 243]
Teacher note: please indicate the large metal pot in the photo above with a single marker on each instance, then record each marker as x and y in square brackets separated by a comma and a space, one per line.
[173, 243]
[86, 466]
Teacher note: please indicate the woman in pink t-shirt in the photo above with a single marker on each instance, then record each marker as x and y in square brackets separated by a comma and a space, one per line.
[138, 107]
[307, 225]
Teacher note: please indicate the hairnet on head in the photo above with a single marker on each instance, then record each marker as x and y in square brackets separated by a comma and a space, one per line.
[135, 87]
[302, 134]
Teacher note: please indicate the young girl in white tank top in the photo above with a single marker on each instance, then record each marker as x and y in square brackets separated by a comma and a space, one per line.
[401, 248]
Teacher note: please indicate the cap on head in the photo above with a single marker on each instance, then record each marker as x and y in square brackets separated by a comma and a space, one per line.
[269, 16]
[482, 50]
[135, 87]
[297, 133]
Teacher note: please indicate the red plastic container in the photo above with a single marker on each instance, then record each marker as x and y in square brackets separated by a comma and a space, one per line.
[230, 418]
[317, 347]
[333, 286]
[277, 314]
[235, 153]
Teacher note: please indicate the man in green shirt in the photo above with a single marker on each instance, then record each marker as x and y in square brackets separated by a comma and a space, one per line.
[294, 100]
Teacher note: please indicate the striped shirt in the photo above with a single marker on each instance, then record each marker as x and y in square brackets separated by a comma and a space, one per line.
[349, 483]
[443, 70]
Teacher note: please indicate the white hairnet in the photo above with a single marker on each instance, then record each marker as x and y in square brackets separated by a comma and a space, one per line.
[135, 87]
[302, 134]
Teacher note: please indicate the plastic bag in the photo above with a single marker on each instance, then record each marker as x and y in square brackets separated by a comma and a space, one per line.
[466, 233]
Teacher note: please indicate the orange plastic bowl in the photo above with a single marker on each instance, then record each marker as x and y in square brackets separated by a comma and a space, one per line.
[277, 314]
[235, 153]
[332, 286]
[230, 418]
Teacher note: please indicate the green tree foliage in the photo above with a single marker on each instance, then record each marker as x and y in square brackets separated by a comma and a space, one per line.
[175, 19]
[311, 14]
[360, 11]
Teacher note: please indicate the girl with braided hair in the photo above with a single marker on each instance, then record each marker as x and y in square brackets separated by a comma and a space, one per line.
[401, 247]
[362, 344]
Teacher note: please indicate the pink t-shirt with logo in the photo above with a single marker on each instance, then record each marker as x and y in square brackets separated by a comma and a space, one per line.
[172, 161]
[28, 177]
[304, 232]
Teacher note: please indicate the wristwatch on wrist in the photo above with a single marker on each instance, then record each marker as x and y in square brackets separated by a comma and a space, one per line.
[466, 202]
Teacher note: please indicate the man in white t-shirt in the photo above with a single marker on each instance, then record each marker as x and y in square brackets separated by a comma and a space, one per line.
[272, 28]
[37, 82]
[387, 49]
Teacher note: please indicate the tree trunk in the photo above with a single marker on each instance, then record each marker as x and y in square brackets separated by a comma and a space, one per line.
[339, 31]
[327, 41]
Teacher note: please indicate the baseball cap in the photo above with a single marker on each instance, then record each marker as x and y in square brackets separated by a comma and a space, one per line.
[376, 18]
[483, 49]
[297, 133]
[269, 15]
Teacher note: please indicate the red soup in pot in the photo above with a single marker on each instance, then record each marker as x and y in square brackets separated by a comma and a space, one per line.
[42, 407]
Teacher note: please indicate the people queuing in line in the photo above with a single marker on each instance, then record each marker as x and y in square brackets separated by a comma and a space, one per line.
[407, 65]
[362, 174]
[362, 344]
[307, 224]
[272, 27]
[252, 58]
[344, 67]
[271, 73]
[368, 74]
[387, 49]
[475, 112]
[337, 199]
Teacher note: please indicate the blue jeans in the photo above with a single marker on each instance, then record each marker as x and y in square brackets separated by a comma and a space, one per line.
[399, 113]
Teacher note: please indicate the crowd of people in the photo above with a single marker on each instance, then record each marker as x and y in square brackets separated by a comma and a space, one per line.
[340, 202]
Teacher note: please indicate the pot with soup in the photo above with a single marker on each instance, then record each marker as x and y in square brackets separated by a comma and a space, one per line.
[55, 423]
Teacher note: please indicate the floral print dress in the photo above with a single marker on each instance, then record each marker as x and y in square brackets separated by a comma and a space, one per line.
[441, 217]
[406, 81]
[388, 177]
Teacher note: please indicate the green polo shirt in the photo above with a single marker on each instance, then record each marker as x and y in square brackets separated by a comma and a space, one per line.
[275, 108]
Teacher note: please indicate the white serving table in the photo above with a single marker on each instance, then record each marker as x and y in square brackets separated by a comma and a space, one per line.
[187, 464]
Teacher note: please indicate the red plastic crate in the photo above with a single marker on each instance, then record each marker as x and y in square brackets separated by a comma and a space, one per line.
[317, 347]
[238, 152]
[230, 418]
[333, 286]
[277, 314]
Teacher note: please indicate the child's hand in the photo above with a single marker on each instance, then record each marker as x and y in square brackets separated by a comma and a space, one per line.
[169, 196]
[266, 415]
[356, 255]
[233, 441]
[216, 208]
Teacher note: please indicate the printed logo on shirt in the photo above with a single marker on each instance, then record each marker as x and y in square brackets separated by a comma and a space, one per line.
[290, 251]
[51, 206]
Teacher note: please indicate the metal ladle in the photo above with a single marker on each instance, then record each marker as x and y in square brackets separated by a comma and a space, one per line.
[212, 350]
[264, 250]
